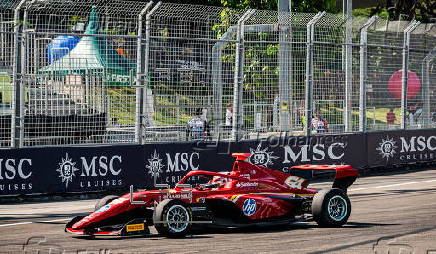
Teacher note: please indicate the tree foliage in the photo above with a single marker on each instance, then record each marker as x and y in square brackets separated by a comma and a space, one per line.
[426, 11]
[422, 10]
[297, 5]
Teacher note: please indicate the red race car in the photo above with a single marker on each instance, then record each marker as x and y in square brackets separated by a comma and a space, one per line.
[247, 195]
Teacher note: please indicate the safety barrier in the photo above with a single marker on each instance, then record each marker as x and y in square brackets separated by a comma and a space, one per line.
[90, 169]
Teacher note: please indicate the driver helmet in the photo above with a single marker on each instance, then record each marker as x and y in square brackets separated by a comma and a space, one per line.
[219, 179]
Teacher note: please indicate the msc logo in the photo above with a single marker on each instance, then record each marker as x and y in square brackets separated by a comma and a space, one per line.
[177, 162]
[249, 207]
[387, 148]
[261, 157]
[66, 170]
[155, 165]
[95, 167]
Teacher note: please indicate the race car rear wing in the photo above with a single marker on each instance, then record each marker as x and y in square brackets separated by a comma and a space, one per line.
[344, 175]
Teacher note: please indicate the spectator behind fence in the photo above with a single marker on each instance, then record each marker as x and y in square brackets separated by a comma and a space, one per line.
[302, 117]
[319, 124]
[418, 115]
[390, 118]
[197, 126]
[411, 111]
[303, 121]
[229, 114]
[207, 129]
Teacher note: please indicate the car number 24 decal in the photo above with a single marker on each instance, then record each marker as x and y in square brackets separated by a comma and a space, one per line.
[295, 182]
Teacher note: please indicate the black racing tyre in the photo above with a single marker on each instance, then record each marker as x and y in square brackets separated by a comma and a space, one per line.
[104, 201]
[331, 207]
[167, 213]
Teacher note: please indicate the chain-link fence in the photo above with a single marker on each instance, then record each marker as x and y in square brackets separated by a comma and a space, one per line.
[8, 54]
[97, 72]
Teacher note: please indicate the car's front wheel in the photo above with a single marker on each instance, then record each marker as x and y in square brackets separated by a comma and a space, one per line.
[331, 207]
[172, 218]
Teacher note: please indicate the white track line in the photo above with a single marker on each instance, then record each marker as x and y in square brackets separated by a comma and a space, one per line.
[393, 185]
[30, 222]
[45, 221]
[15, 224]
[387, 186]
[357, 189]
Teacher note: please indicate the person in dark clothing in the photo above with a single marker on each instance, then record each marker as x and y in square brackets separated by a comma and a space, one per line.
[196, 127]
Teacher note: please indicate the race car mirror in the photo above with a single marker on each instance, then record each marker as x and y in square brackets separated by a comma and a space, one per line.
[131, 197]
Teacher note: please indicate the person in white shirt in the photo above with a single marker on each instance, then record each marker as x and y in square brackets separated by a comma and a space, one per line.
[417, 117]
[319, 124]
[229, 114]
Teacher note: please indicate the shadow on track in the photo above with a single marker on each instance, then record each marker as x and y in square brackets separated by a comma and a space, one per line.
[366, 225]
[206, 233]
[282, 228]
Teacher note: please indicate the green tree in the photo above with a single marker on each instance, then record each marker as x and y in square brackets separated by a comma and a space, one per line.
[422, 10]
[297, 5]
[426, 11]
[398, 8]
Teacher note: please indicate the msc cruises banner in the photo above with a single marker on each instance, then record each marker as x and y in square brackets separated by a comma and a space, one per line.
[103, 168]
[401, 147]
[70, 169]
[168, 163]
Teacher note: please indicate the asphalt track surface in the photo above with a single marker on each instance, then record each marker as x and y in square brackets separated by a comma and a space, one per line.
[391, 214]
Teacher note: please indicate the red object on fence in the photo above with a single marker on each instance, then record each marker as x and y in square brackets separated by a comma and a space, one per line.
[395, 84]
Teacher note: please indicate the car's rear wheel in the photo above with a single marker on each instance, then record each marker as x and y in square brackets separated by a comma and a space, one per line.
[104, 201]
[331, 208]
[172, 218]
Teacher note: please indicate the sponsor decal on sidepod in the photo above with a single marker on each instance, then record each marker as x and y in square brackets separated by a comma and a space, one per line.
[249, 207]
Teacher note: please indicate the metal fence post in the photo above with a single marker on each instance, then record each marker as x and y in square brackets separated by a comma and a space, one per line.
[16, 119]
[139, 76]
[310, 37]
[426, 85]
[348, 68]
[285, 60]
[239, 77]
[24, 77]
[217, 75]
[364, 72]
[405, 76]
